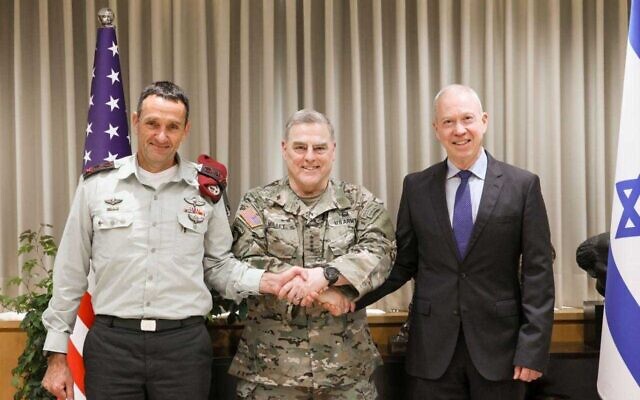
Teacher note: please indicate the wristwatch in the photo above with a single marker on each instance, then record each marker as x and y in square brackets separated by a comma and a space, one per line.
[331, 274]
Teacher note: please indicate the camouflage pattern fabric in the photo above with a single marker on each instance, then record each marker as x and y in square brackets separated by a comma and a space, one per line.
[287, 345]
[363, 390]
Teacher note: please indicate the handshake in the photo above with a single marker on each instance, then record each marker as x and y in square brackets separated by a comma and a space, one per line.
[306, 287]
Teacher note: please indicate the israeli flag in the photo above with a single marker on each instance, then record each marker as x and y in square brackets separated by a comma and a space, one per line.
[619, 371]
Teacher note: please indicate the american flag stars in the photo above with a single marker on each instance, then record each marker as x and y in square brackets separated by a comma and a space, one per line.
[112, 131]
[113, 103]
[114, 49]
[107, 132]
[111, 157]
[114, 76]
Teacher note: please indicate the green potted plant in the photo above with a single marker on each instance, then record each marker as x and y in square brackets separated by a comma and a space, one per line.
[38, 249]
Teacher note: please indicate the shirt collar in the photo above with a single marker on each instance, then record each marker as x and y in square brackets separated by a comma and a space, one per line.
[129, 165]
[479, 168]
[333, 197]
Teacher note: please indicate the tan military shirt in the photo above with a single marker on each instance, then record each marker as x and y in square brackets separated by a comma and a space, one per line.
[347, 228]
[155, 252]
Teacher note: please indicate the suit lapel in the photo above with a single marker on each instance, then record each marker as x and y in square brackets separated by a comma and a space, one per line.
[439, 201]
[490, 193]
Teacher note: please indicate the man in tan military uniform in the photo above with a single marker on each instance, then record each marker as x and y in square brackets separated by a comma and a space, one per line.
[157, 247]
[343, 235]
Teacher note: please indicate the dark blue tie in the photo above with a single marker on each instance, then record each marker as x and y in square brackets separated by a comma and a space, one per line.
[462, 217]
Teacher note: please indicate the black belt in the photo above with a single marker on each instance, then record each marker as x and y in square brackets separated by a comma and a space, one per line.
[148, 325]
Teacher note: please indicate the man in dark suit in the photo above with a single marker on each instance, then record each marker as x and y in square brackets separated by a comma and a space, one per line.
[473, 233]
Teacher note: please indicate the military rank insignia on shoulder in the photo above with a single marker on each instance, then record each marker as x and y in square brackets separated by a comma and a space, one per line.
[105, 166]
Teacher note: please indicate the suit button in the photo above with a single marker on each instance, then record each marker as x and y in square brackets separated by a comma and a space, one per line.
[463, 275]
[456, 312]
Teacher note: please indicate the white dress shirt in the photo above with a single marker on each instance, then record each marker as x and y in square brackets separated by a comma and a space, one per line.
[476, 184]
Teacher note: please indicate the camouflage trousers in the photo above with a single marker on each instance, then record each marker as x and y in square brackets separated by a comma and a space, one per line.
[363, 390]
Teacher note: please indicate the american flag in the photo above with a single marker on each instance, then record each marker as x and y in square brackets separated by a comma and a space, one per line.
[619, 371]
[107, 133]
[107, 138]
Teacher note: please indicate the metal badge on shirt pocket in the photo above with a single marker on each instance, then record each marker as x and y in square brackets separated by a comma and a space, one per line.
[112, 203]
[113, 210]
[194, 212]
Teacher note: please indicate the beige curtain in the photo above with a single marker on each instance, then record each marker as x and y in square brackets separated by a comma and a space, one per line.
[549, 73]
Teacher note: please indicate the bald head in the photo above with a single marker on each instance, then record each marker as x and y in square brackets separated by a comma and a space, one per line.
[455, 90]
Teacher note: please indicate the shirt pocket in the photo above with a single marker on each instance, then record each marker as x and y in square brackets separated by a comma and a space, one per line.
[112, 220]
[192, 223]
[282, 236]
[112, 230]
[340, 232]
[343, 240]
[282, 243]
[190, 235]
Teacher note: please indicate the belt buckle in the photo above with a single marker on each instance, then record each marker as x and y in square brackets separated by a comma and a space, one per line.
[148, 325]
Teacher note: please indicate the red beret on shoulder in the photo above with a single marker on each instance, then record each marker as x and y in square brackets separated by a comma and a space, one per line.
[212, 177]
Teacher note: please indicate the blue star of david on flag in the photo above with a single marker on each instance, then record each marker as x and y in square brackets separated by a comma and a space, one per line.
[107, 132]
[629, 192]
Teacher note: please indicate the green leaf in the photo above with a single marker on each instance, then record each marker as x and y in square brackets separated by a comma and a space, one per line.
[25, 248]
[5, 301]
[15, 281]
[39, 248]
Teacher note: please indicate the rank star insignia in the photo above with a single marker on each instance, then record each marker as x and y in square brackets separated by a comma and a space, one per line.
[628, 192]
[194, 201]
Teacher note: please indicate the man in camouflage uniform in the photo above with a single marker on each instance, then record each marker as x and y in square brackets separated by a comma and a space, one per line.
[344, 237]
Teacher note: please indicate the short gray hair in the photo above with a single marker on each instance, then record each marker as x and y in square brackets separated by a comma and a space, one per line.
[458, 87]
[307, 116]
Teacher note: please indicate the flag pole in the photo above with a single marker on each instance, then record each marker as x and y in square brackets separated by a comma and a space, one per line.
[106, 139]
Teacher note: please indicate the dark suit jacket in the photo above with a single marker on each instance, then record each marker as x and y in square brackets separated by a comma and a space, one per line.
[501, 293]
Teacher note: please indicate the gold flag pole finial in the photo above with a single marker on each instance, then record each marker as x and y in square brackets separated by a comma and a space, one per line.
[106, 17]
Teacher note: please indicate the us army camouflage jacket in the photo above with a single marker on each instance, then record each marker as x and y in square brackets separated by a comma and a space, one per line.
[347, 228]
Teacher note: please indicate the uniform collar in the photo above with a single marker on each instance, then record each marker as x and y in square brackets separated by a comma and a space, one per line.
[128, 166]
[334, 197]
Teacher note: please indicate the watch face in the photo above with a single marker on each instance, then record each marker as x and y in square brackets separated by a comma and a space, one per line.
[331, 274]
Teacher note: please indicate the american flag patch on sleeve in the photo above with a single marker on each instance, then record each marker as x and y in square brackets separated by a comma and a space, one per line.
[250, 217]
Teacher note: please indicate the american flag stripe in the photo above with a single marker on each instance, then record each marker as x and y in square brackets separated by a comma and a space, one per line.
[83, 322]
[76, 364]
[250, 217]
